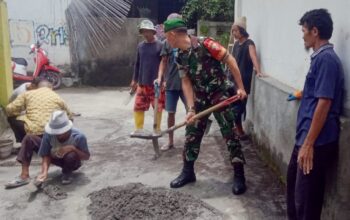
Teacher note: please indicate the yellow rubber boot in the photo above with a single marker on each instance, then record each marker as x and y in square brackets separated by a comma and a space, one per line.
[139, 118]
[159, 120]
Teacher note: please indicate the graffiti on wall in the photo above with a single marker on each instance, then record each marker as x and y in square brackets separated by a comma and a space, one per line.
[24, 33]
[52, 36]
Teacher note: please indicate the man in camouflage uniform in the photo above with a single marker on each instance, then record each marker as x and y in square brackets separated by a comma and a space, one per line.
[205, 84]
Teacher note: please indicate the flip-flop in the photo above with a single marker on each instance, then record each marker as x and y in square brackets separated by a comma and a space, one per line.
[167, 147]
[17, 182]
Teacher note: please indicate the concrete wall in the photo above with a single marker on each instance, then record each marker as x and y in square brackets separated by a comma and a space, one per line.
[273, 25]
[42, 20]
[272, 120]
[113, 66]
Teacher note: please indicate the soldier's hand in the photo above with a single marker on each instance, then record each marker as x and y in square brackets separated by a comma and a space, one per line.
[189, 118]
[241, 94]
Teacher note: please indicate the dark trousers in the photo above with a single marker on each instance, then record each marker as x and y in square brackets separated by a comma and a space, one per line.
[31, 144]
[241, 107]
[17, 127]
[305, 192]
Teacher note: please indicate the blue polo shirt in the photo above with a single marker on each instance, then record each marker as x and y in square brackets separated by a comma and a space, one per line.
[325, 79]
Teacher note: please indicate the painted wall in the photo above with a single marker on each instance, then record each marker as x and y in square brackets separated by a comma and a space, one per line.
[273, 25]
[39, 20]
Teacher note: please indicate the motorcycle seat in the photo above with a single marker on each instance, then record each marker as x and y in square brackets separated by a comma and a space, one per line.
[20, 61]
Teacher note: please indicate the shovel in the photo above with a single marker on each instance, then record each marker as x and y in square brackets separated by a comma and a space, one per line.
[155, 122]
[155, 134]
[154, 137]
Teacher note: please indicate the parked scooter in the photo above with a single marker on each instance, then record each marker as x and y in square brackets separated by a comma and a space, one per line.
[43, 69]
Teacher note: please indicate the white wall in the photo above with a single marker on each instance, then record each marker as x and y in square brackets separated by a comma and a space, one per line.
[43, 20]
[273, 25]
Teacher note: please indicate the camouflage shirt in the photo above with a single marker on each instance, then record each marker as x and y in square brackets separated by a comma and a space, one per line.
[205, 72]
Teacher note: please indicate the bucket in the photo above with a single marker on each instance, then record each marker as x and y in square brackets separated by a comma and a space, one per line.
[5, 148]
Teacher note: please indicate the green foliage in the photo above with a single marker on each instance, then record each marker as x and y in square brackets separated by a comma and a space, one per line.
[204, 30]
[211, 10]
[224, 39]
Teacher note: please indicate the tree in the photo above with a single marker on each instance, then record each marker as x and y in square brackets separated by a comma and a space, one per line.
[212, 10]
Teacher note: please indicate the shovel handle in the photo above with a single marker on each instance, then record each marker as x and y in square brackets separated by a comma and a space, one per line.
[216, 107]
[204, 113]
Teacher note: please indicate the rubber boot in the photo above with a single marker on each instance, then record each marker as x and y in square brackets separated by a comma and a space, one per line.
[139, 118]
[159, 120]
[239, 186]
[186, 176]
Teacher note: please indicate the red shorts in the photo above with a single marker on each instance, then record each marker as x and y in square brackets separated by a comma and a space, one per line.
[145, 97]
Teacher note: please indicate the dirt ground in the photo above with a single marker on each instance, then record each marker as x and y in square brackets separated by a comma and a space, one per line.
[118, 160]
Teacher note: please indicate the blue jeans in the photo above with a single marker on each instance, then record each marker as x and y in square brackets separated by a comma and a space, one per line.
[171, 99]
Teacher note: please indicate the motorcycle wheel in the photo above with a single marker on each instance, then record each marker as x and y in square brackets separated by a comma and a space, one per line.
[54, 78]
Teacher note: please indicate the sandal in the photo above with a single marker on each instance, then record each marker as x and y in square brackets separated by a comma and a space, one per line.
[17, 182]
[167, 147]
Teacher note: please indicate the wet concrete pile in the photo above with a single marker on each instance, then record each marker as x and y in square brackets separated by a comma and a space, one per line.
[55, 192]
[136, 201]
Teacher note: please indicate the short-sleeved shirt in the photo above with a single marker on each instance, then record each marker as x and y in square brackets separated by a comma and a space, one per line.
[209, 81]
[39, 105]
[325, 79]
[147, 62]
[18, 91]
[50, 145]
[245, 64]
[172, 79]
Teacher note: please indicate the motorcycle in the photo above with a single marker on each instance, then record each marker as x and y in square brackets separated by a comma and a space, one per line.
[43, 69]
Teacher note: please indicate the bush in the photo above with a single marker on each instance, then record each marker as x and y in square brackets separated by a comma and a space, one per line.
[211, 10]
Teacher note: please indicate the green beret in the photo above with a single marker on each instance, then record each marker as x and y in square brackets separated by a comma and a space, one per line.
[174, 24]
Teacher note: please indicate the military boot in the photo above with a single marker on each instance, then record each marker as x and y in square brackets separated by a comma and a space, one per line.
[186, 176]
[239, 186]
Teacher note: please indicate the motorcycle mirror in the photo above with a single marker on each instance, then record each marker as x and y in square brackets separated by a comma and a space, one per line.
[32, 48]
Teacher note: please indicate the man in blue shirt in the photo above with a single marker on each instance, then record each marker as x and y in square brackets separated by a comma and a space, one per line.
[62, 145]
[318, 126]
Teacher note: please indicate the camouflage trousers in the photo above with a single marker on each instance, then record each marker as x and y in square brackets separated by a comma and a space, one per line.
[225, 118]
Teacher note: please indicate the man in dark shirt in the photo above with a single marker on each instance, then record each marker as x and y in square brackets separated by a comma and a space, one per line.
[173, 90]
[318, 129]
[146, 71]
[245, 53]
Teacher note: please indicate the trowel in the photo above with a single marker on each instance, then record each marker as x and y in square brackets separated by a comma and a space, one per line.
[131, 95]
[34, 187]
